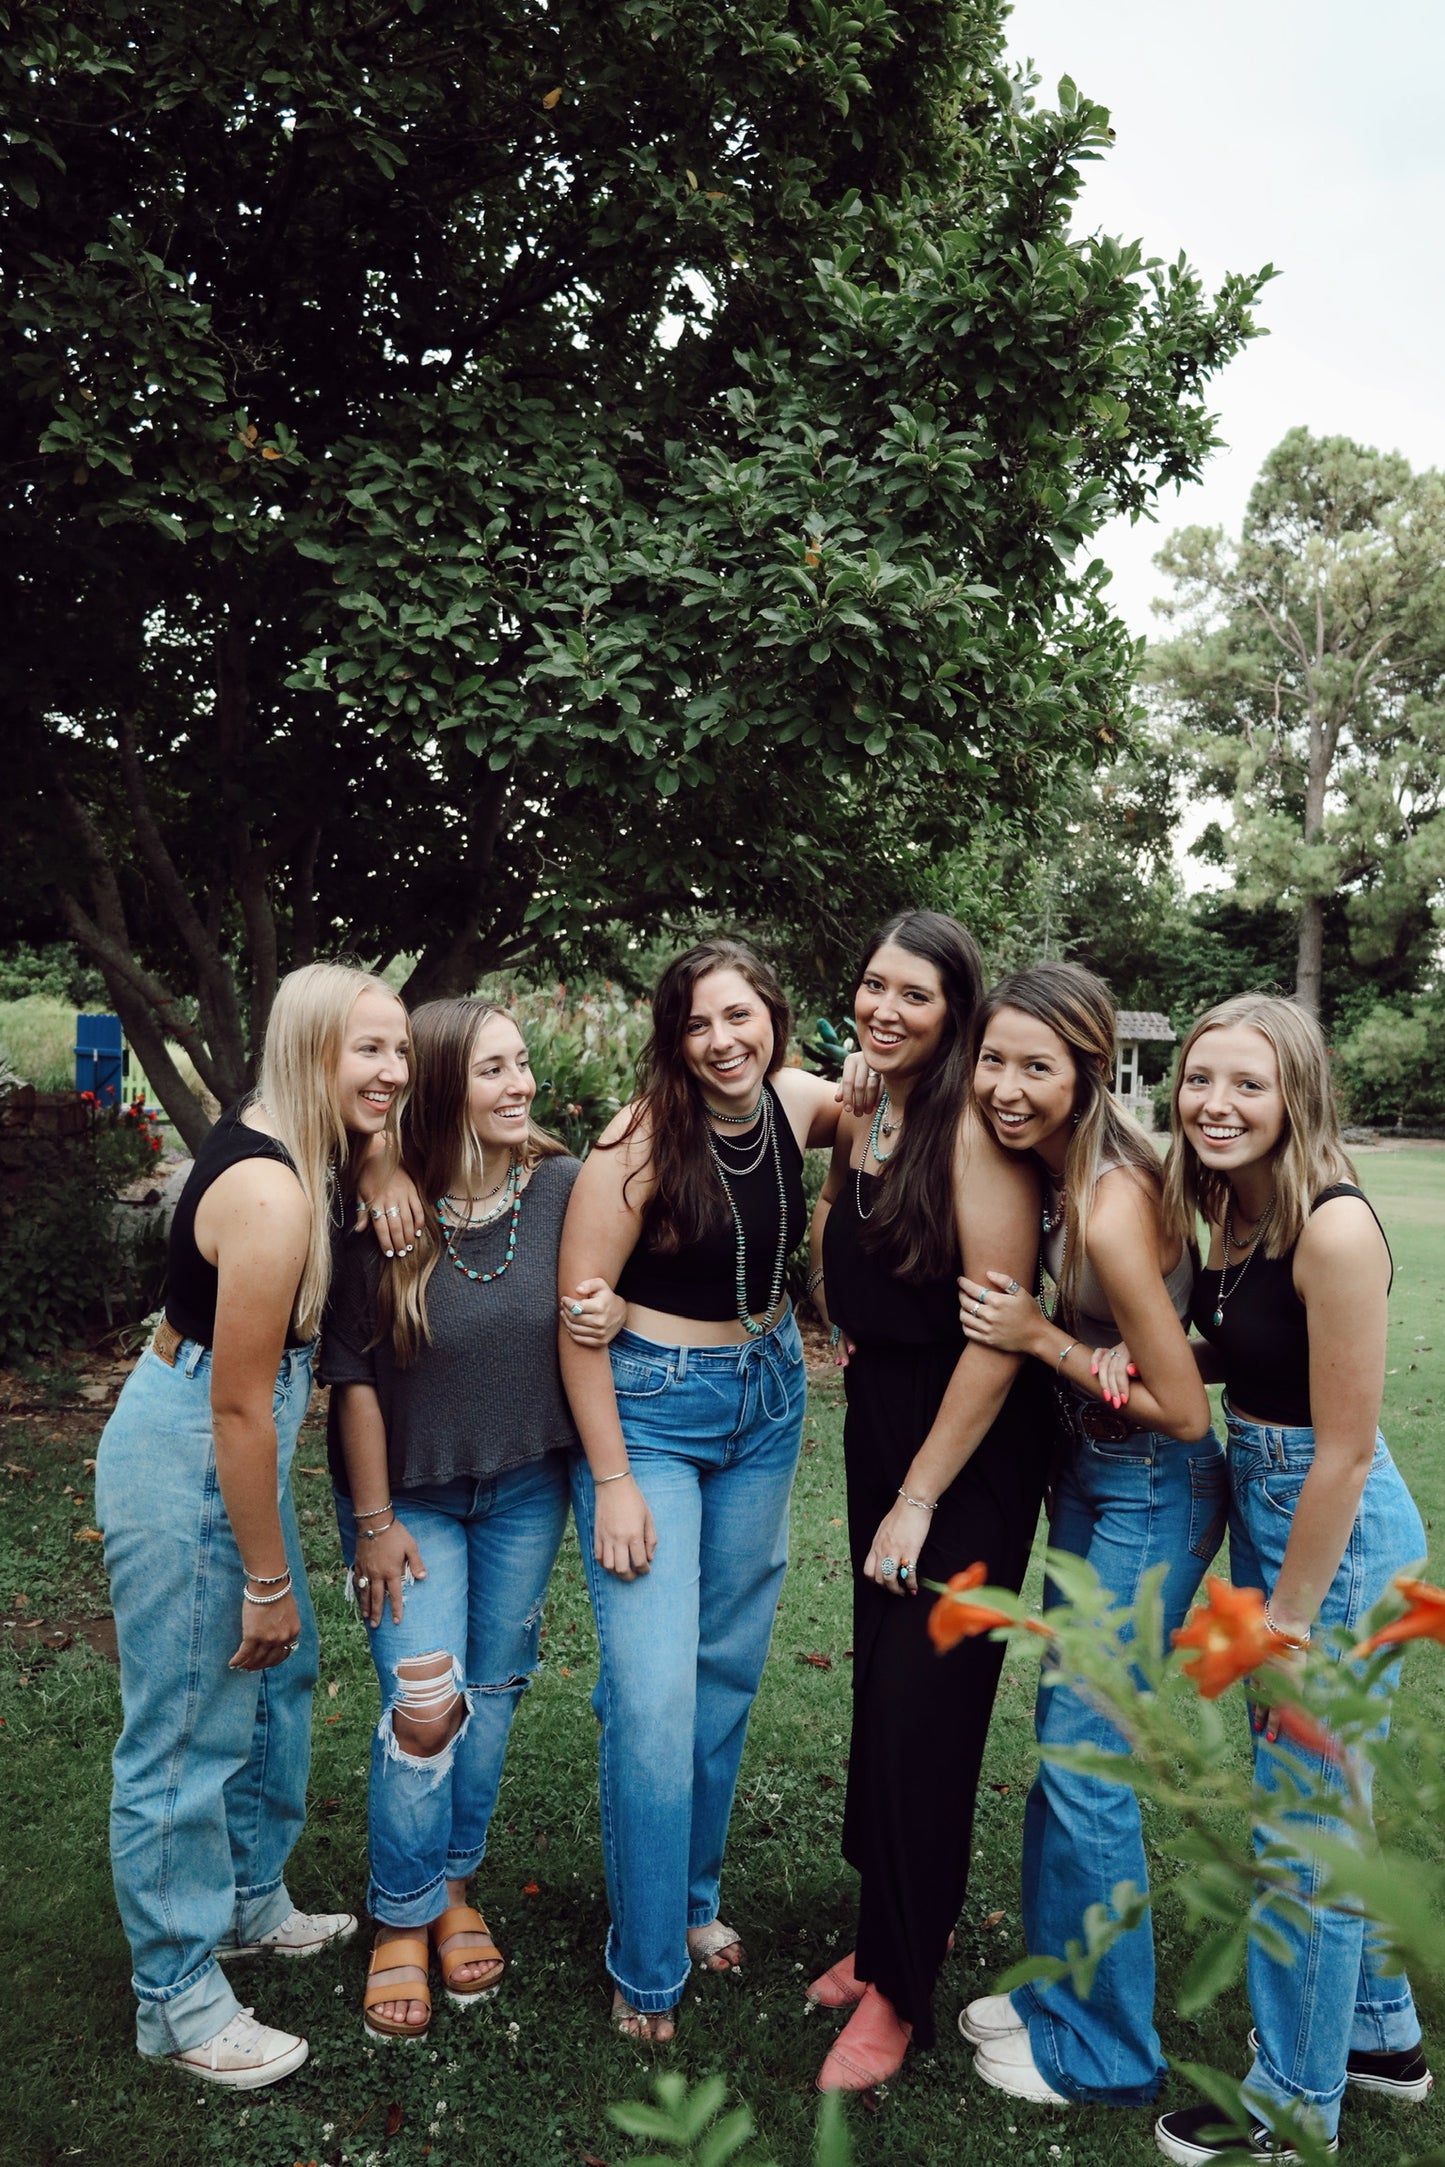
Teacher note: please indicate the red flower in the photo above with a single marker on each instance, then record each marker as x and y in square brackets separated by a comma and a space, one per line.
[1423, 1620]
[952, 1619]
[1230, 1633]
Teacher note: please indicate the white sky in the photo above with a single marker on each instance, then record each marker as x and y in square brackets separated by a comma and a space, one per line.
[1304, 133]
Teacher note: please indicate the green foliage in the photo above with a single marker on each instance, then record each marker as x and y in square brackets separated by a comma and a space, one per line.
[1391, 1068]
[37, 1033]
[685, 2125]
[57, 1254]
[53, 971]
[489, 480]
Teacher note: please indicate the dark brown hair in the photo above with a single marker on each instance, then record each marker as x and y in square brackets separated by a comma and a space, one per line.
[438, 1148]
[687, 1201]
[913, 1223]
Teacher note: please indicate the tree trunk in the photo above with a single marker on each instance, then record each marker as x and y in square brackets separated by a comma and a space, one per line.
[1309, 970]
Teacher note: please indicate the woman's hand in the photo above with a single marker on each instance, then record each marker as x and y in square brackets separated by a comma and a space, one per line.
[860, 1087]
[1113, 1368]
[269, 1632]
[624, 1538]
[592, 1314]
[1273, 1717]
[999, 1314]
[843, 1349]
[379, 1574]
[900, 1538]
[389, 1198]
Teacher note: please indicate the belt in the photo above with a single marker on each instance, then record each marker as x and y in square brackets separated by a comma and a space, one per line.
[1105, 1425]
[167, 1342]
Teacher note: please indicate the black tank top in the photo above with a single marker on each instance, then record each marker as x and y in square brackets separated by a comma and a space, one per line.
[191, 1282]
[1263, 1337]
[700, 1279]
[865, 1296]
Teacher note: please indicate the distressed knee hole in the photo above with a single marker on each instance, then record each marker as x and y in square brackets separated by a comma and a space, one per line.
[427, 1714]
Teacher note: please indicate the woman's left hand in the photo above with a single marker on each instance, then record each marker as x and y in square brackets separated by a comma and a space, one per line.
[999, 1314]
[860, 1087]
[392, 1203]
[592, 1314]
[1273, 1717]
[900, 1538]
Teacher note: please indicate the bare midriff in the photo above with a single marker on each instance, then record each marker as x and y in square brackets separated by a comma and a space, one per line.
[671, 1331]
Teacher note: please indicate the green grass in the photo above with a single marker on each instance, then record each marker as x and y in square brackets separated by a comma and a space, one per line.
[526, 2078]
[37, 1032]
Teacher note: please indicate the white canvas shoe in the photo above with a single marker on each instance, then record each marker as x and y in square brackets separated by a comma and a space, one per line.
[1008, 2065]
[244, 2054]
[992, 2016]
[303, 1933]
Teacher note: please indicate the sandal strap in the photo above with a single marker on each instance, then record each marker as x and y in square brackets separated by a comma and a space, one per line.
[446, 1932]
[712, 1940]
[388, 1960]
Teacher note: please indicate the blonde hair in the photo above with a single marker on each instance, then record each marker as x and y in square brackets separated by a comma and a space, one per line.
[1310, 1155]
[1079, 1009]
[440, 1147]
[300, 1062]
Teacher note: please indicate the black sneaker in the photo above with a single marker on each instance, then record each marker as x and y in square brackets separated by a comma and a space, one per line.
[1198, 2134]
[1404, 2075]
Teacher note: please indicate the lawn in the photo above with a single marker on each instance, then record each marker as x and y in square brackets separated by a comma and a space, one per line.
[526, 2079]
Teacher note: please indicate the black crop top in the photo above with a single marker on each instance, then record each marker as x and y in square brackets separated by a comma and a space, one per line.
[700, 1279]
[1263, 1338]
[191, 1283]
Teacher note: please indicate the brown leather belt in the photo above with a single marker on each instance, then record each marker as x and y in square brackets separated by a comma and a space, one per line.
[167, 1342]
[1104, 1424]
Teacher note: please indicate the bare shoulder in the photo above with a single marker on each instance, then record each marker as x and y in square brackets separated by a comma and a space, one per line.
[980, 1160]
[800, 1091]
[1343, 1235]
[1124, 1200]
[256, 1189]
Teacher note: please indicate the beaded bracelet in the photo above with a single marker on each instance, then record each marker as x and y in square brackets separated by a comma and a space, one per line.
[260, 1601]
[814, 1279]
[375, 1512]
[921, 1502]
[374, 1534]
[1291, 1640]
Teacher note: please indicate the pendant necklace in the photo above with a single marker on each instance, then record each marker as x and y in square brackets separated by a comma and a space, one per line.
[882, 1127]
[1245, 1261]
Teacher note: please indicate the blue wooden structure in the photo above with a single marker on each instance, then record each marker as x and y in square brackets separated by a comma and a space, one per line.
[100, 1058]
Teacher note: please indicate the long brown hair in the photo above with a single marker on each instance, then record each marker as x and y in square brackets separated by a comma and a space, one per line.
[1310, 1154]
[913, 1224]
[1079, 1009]
[438, 1148]
[687, 1199]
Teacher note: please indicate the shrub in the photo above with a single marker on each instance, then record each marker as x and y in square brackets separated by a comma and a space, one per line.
[1391, 1068]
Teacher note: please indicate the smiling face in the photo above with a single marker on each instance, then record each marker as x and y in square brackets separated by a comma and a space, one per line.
[1231, 1106]
[901, 1012]
[727, 1040]
[1025, 1081]
[373, 1063]
[500, 1085]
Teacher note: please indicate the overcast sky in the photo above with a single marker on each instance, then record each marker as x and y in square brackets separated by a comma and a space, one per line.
[1305, 133]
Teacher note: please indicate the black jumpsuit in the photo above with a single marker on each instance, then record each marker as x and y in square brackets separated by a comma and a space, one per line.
[920, 1719]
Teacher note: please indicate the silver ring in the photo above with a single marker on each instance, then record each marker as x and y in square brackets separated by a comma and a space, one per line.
[362, 1580]
[977, 1307]
[374, 1211]
[887, 1568]
[393, 1211]
[1013, 1287]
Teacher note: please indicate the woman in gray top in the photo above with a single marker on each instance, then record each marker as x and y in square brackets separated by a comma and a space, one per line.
[449, 1445]
[1138, 1487]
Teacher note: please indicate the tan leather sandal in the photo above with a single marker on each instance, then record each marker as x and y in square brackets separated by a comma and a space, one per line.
[397, 1972]
[462, 1936]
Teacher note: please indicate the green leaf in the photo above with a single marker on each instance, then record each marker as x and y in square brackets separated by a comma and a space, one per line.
[1214, 1967]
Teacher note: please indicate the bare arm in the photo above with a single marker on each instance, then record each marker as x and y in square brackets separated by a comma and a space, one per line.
[386, 1553]
[827, 1197]
[996, 1203]
[253, 1225]
[604, 1220]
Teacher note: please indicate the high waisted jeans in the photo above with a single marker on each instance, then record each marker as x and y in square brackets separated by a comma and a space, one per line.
[712, 1436]
[488, 1548]
[1337, 1995]
[210, 1771]
[1149, 1500]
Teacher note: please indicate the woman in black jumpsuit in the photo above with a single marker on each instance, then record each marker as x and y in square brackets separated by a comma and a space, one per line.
[946, 1461]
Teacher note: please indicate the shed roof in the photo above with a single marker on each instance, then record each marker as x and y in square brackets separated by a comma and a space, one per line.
[1145, 1023]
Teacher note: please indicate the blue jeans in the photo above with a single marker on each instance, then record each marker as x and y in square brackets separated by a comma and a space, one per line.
[1337, 1995]
[488, 1548]
[1127, 1507]
[210, 1770]
[712, 1435]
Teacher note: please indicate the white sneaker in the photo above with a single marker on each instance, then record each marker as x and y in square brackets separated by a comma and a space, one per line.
[1008, 2065]
[304, 1933]
[244, 2055]
[992, 2016]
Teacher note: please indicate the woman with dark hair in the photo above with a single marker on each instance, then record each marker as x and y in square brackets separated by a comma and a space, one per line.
[449, 1445]
[1136, 1487]
[689, 1205]
[946, 1448]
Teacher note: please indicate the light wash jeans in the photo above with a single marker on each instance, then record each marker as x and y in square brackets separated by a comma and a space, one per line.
[1337, 1995]
[210, 1770]
[488, 1548]
[712, 1435]
[1149, 1500]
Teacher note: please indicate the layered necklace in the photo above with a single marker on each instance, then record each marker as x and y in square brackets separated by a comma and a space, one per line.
[882, 1127]
[451, 1222]
[765, 1142]
[1232, 1241]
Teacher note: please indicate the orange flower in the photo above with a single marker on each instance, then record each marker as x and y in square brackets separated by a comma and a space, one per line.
[1230, 1633]
[952, 1619]
[1424, 1620]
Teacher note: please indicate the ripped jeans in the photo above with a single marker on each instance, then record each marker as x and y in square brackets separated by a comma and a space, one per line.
[488, 1547]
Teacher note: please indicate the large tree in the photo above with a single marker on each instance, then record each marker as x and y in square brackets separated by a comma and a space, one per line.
[1307, 685]
[478, 476]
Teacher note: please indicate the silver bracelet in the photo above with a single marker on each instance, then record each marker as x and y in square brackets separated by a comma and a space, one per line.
[621, 1476]
[269, 1580]
[1060, 1360]
[921, 1502]
[815, 1279]
[1291, 1640]
[374, 1534]
[261, 1601]
[375, 1512]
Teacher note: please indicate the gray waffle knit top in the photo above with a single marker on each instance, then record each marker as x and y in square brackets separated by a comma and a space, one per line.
[1094, 1323]
[486, 1394]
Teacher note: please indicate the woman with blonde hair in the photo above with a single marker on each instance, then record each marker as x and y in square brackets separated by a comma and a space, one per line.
[1136, 1488]
[450, 1441]
[217, 1640]
[1291, 1306]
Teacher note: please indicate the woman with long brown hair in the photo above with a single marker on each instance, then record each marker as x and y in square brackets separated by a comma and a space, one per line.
[689, 1205]
[449, 1448]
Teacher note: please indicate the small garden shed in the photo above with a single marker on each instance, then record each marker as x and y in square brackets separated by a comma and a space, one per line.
[1138, 1027]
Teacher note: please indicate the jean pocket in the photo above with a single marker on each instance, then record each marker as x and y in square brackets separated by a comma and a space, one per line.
[1280, 1490]
[1208, 1506]
[638, 1377]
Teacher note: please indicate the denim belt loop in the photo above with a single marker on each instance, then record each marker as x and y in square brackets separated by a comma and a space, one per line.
[680, 1364]
[195, 1358]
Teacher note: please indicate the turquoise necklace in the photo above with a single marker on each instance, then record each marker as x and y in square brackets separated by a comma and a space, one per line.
[513, 1194]
[882, 1127]
[775, 1287]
